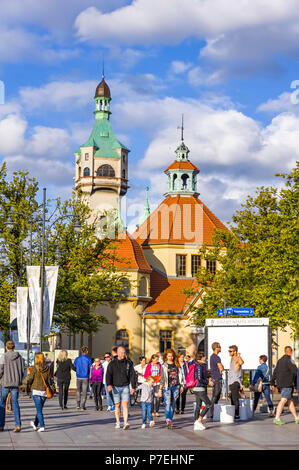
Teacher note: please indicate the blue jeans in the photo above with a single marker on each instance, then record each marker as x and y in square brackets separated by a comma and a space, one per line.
[14, 393]
[170, 397]
[146, 411]
[39, 404]
[108, 396]
[266, 392]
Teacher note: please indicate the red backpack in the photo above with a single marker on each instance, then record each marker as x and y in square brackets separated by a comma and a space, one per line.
[190, 379]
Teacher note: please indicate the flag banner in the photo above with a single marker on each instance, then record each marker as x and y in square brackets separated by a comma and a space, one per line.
[22, 306]
[51, 275]
[13, 311]
[33, 276]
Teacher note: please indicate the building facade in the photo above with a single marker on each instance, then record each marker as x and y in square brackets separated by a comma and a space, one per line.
[161, 256]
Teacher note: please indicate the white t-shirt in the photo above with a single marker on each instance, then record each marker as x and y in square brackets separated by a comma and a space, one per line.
[105, 365]
[40, 393]
[141, 370]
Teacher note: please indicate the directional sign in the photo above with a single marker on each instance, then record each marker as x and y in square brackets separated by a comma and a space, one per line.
[234, 311]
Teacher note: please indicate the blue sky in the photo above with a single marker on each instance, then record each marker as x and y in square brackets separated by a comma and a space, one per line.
[228, 66]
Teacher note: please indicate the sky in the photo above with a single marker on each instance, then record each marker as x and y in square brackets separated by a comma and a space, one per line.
[230, 67]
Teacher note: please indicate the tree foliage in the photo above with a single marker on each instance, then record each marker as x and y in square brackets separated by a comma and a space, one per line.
[258, 258]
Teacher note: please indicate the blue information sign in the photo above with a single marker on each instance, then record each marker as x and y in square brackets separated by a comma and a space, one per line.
[235, 311]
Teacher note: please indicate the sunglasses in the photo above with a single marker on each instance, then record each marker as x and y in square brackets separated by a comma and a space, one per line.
[230, 350]
[106, 357]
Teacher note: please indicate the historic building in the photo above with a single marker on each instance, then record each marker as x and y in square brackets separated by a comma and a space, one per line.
[162, 255]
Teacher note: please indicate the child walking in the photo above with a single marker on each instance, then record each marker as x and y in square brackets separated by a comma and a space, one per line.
[146, 401]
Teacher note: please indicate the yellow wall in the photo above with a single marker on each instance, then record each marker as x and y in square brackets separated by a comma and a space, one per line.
[163, 257]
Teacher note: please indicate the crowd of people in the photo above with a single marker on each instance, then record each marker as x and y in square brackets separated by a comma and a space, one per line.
[164, 379]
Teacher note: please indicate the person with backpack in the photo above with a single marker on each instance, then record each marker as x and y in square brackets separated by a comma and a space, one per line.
[172, 382]
[181, 400]
[121, 381]
[96, 382]
[38, 381]
[82, 364]
[261, 384]
[153, 369]
[200, 391]
[11, 375]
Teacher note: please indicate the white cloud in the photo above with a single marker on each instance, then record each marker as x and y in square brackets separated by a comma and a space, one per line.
[12, 131]
[178, 66]
[172, 21]
[241, 37]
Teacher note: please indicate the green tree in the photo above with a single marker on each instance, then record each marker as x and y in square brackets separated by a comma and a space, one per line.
[258, 258]
[87, 272]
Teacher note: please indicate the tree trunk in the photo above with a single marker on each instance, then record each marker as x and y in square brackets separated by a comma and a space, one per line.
[90, 345]
[74, 341]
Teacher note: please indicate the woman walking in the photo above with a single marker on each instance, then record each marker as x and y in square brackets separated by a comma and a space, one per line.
[181, 400]
[38, 380]
[63, 375]
[96, 382]
[172, 382]
[154, 369]
[200, 391]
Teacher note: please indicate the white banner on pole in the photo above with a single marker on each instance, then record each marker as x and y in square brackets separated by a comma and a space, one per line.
[51, 274]
[33, 276]
[13, 311]
[22, 305]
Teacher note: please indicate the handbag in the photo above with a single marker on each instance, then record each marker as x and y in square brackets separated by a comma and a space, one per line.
[49, 390]
[258, 387]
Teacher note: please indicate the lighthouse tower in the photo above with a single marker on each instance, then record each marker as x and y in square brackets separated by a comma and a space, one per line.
[102, 161]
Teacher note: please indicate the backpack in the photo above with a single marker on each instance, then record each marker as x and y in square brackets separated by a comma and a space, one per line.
[190, 377]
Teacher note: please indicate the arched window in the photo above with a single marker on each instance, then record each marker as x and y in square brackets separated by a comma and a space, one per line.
[86, 172]
[185, 181]
[122, 339]
[105, 170]
[174, 181]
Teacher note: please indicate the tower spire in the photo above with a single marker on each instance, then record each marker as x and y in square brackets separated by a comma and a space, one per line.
[182, 128]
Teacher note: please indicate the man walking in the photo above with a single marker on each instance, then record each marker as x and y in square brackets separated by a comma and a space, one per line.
[121, 381]
[234, 377]
[284, 377]
[82, 364]
[11, 376]
[216, 368]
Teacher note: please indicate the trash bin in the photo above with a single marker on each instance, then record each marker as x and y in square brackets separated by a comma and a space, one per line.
[227, 413]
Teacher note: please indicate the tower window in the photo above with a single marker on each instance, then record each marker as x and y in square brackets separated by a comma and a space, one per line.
[185, 181]
[105, 170]
[87, 156]
[122, 339]
[124, 174]
[165, 340]
[86, 172]
[181, 265]
[211, 266]
[195, 264]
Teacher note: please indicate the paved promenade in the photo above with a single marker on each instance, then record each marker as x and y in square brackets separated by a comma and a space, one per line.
[82, 430]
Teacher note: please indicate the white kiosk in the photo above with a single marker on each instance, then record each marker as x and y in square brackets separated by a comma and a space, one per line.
[253, 338]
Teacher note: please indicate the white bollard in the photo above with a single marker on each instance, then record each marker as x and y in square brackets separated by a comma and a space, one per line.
[227, 414]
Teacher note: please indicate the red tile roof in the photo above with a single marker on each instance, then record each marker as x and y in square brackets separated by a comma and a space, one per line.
[187, 165]
[167, 294]
[129, 254]
[179, 220]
